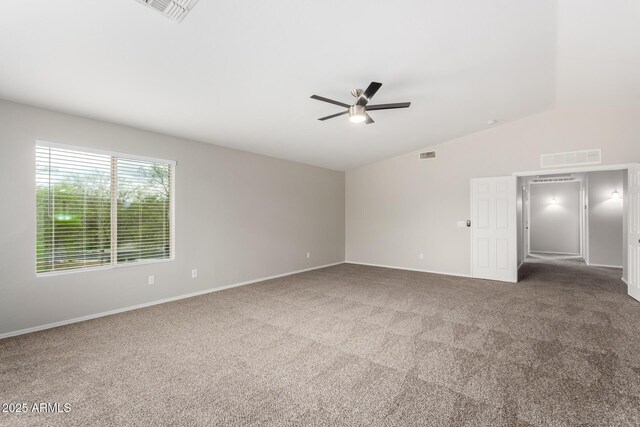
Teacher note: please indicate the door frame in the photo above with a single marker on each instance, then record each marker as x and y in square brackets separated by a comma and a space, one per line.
[632, 204]
[580, 169]
[526, 220]
[584, 218]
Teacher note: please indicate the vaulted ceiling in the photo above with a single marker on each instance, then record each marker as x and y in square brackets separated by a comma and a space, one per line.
[240, 74]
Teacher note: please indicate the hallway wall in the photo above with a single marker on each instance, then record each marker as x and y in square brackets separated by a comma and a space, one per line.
[606, 239]
[555, 225]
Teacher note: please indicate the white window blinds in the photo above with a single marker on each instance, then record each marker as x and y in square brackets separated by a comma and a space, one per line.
[143, 210]
[96, 209]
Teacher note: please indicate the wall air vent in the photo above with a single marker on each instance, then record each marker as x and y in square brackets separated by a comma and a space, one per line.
[172, 9]
[573, 158]
[549, 179]
[428, 155]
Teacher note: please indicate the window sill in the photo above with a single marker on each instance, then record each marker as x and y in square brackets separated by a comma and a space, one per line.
[104, 267]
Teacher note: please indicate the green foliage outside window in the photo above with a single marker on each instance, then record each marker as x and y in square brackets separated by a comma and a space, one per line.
[74, 195]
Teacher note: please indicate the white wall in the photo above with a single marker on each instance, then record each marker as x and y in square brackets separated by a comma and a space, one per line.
[555, 226]
[401, 207]
[239, 216]
[606, 228]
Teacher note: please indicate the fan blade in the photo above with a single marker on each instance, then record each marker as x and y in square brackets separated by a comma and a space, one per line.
[388, 106]
[369, 120]
[368, 94]
[333, 115]
[330, 101]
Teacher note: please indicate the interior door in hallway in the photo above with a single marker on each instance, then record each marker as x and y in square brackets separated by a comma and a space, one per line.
[494, 238]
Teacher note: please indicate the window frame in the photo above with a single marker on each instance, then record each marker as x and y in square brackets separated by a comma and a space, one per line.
[114, 200]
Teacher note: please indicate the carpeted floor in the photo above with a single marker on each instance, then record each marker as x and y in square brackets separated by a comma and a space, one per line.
[348, 345]
[546, 257]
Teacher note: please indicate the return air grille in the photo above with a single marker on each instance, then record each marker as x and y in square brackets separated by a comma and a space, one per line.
[556, 179]
[573, 158]
[172, 9]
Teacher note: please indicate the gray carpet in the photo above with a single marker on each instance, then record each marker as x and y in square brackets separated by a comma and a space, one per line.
[348, 345]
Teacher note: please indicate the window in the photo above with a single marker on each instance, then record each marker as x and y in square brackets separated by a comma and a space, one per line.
[101, 209]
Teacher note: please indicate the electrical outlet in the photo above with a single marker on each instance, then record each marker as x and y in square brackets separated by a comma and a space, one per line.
[308, 254]
[152, 280]
[194, 273]
[421, 255]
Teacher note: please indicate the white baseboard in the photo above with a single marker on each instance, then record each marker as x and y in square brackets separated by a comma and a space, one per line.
[604, 265]
[156, 302]
[553, 253]
[408, 269]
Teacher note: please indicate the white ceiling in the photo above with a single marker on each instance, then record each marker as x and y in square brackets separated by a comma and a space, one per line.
[598, 57]
[240, 74]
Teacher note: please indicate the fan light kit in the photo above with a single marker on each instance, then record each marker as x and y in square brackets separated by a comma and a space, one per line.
[357, 114]
[358, 111]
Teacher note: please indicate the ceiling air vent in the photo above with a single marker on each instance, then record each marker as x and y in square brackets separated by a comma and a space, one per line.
[428, 155]
[573, 158]
[172, 9]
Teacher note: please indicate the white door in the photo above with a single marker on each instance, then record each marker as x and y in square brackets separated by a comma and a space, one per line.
[633, 252]
[494, 253]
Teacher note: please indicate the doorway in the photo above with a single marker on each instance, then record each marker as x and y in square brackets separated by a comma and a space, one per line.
[579, 217]
[500, 241]
[554, 218]
[609, 212]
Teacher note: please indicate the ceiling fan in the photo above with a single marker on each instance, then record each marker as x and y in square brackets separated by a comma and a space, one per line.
[358, 111]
